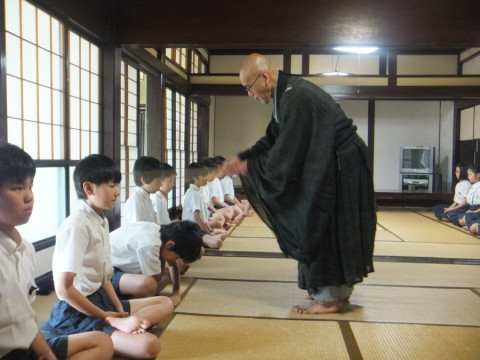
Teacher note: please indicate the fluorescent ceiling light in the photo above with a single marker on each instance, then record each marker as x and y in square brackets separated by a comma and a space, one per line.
[335, 73]
[356, 49]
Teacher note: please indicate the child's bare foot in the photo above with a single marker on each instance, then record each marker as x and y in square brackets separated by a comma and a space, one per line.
[129, 325]
[319, 307]
[248, 213]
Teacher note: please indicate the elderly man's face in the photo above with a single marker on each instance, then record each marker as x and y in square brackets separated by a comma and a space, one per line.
[258, 86]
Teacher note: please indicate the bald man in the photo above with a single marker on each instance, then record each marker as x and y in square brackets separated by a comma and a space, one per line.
[310, 180]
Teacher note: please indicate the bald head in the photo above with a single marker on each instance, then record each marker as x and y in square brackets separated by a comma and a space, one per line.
[258, 76]
[256, 63]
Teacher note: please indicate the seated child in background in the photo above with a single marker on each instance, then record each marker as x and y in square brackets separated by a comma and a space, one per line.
[148, 249]
[473, 197]
[216, 193]
[460, 197]
[195, 208]
[229, 191]
[20, 336]
[160, 204]
[82, 270]
[160, 198]
[147, 177]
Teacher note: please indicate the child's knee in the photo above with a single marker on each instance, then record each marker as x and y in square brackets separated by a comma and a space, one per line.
[149, 347]
[474, 229]
[151, 286]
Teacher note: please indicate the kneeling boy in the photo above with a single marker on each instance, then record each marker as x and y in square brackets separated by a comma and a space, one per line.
[148, 249]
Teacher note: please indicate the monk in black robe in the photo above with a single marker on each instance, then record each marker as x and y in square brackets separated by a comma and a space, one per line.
[310, 180]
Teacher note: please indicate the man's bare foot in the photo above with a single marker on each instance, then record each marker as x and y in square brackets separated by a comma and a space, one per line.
[319, 307]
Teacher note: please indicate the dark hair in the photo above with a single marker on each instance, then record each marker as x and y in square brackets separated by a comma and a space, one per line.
[167, 171]
[463, 171]
[474, 167]
[210, 163]
[187, 237]
[219, 159]
[97, 169]
[195, 169]
[15, 164]
[147, 167]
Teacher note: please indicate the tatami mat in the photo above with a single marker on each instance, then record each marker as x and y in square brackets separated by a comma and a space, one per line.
[263, 244]
[252, 221]
[252, 231]
[241, 268]
[368, 303]
[412, 227]
[406, 342]
[385, 235]
[463, 251]
[212, 338]
[418, 274]
[386, 273]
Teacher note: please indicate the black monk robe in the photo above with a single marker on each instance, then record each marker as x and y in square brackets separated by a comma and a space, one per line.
[310, 181]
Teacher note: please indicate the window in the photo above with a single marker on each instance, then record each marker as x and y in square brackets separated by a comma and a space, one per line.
[175, 107]
[198, 63]
[84, 97]
[129, 128]
[177, 56]
[35, 80]
[193, 138]
[37, 46]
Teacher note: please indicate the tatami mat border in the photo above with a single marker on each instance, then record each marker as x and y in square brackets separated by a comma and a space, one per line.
[378, 258]
[349, 321]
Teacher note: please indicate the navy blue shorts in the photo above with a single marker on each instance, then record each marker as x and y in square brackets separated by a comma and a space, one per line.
[66, 320]
[115, 280]
[59, 346]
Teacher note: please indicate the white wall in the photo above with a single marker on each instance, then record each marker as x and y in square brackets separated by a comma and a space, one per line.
[239, 122]
[399, 123]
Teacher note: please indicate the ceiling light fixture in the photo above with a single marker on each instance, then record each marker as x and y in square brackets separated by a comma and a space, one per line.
[335, 73]
[356, 49]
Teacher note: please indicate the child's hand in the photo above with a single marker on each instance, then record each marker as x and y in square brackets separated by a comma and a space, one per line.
[115, 314]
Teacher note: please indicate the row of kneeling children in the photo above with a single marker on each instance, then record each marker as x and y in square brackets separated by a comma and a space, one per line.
[107, 283]
[464, 211]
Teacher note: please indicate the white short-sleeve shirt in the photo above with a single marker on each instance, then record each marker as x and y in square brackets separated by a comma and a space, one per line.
[18, 326]
[83, 248]
[136, 248]
[473, 196]
[138, 207]
[461, 190]
[160, 206]
[215, 189]
[227, 186]
[193, 201]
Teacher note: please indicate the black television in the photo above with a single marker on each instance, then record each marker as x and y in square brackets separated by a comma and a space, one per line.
[417, 159]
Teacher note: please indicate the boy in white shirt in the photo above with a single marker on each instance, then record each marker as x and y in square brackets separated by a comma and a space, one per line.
[147, 177]
[20, 336]
[195, 208]
[82, 270]
[229, 191]
[160, 198]
[216, 204]
[148, 249]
